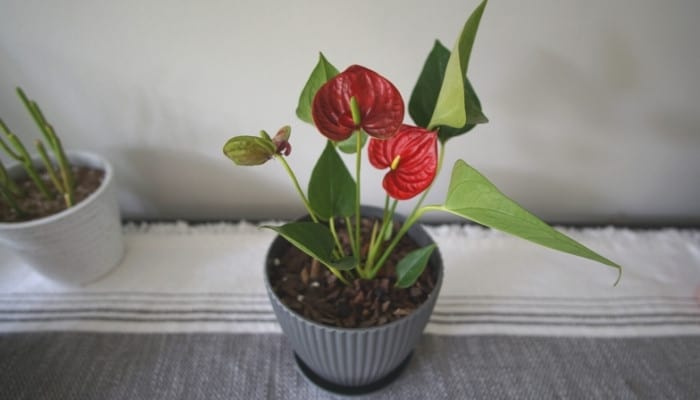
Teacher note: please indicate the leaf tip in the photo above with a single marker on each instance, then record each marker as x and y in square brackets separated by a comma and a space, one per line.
[619, 275]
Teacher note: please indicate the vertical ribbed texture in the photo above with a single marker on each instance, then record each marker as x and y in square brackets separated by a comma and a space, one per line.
[353, 357]
[77, 245]
[356, 357]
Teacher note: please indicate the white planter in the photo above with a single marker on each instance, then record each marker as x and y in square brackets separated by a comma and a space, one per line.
[78, 245]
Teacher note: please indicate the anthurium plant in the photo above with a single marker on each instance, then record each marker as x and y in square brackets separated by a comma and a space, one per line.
[359, 110]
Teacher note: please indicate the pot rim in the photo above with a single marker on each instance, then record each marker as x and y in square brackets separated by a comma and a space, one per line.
[429, 301]
[76, 157]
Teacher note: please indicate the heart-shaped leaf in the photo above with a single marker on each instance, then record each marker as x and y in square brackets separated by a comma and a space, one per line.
[322, 72]
[315, 240]
[412, 266]
[472, 196]
[450, 106]
[331, 187]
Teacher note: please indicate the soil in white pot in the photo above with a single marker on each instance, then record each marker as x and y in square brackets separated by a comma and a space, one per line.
[35, 205]
[311, 290]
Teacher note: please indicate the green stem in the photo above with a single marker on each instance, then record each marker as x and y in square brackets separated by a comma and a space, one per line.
[38, 117]
[49, 167]
[6, 193]
[55, 144]
[291, 174]
[338, 275]
[331, 225]
[441, 157]
[386, 208]
[357, 120]
[5, 180]
[65, 168]
[388, 216]
[412, 219]
[4, 145]
[358, 163]
[351, 237]
[25, 159]
[372, 252]
[34, 176]
[297, 187]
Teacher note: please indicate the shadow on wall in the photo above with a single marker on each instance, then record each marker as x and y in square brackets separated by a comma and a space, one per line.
[535, 193]
[164, 184]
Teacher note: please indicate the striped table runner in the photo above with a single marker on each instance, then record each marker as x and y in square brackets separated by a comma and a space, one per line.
[208, 278]
[200, 288]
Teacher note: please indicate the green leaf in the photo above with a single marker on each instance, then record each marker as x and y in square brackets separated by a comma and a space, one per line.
[349, 145]
[472, 196]
[315, 240]
[425, 94]
[249, 150]
[450, 107]
[412, 265]
[4, 176]
[322, 72]
[263, 134]
[331, 187]
[474, 115]
[345, 264]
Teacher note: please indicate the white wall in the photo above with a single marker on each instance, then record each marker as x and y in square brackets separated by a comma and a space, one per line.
[594, 106]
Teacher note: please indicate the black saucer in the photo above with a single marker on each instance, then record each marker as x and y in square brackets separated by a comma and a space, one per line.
[351, 390]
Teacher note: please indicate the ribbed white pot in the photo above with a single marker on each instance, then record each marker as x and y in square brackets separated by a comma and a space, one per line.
[75, 246]
[354, 357]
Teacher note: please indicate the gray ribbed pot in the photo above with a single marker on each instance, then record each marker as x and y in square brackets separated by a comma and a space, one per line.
[354, 357]
[77, 245]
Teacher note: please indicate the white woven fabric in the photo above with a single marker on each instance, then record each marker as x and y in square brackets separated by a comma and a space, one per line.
[208, 278]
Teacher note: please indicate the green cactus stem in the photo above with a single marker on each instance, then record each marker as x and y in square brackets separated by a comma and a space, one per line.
[9, 190]
[49, 166]
[22, 156]
[57, 167]
[9, 183]
[68, 187]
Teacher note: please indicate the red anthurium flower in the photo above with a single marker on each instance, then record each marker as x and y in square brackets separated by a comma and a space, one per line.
[411, 155]
[380, 105]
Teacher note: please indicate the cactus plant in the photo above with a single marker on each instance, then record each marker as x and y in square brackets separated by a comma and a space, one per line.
[58, 170]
